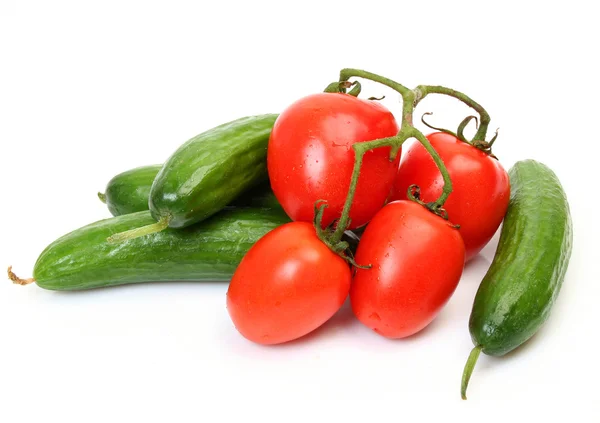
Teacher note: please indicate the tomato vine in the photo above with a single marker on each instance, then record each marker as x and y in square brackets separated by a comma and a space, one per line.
[410, 99]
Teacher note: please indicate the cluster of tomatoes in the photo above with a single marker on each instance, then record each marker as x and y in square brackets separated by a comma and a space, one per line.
[409, 259]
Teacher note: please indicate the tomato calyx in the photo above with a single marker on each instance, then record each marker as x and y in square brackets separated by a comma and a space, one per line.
[414, 194]
[480, 144]
[342, 86]
[328, 236]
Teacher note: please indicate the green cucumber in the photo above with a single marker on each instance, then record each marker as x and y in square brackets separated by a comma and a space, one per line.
[207, 251]
[517, 293]
[208, 172]
[128, 191]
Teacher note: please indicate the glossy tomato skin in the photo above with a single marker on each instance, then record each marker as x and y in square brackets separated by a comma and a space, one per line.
[288, 284]
[481, 188]
[310, 156]
[417, 260]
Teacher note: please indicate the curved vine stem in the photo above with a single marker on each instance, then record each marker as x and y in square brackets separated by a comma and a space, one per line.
[406, 93]
[359, 152]
[423, 90]
[395, 143]
[447, 190]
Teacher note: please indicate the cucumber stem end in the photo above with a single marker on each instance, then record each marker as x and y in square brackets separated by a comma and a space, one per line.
[471, 361]
[102, 197]
[161, 225]
[17, 280]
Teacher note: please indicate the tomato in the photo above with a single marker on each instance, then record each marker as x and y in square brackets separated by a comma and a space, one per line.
[288, 284]
[310, 157]
[481, 187]
[417, 260]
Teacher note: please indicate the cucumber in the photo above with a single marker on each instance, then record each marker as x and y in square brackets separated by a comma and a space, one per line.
[211, 170]
[207, 173]
[517, 293]
[208, 251]
[128, 191]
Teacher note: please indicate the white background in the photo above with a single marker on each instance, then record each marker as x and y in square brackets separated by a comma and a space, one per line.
[89, 89]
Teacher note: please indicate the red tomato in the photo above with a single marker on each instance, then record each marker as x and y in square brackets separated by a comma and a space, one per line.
[481, 187]
[288, 284]
[310, 157]
[417, 260]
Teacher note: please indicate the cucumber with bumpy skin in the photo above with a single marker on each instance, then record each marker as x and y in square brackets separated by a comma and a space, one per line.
[128, 192]
[517, 293]
[207, 251]
[208, 172]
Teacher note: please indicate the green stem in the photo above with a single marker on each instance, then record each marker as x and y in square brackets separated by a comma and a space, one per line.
[342, 86]
[471, 361]
[161, 225]
[346, 74]
[102, 197]
[359, 152]
[407, 94]
[447, 189]
[423, 90]
[344, 221]
[407, 131]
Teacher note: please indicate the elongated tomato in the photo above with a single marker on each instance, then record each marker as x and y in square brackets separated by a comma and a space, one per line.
[417, 260]
[287, 285]
[481, 188]
[310, 157]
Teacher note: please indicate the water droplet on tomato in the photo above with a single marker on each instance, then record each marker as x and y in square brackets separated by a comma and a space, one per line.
[375, 316]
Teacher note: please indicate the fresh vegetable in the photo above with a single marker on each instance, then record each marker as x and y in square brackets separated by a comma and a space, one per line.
[208, 251]
[517, 293]
[481, 187]
[427, 223]
[128, 191]
[310, 156]
[416, 259]
[333, 161]
[287, 285]
[207, 173]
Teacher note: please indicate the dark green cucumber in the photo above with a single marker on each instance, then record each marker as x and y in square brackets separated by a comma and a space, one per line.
[206, 173]
[128, 192]
[211, 170]
[207, 251]
[517, 293]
